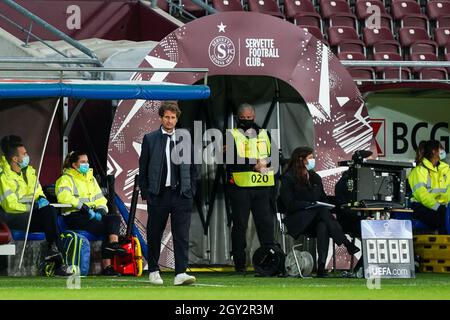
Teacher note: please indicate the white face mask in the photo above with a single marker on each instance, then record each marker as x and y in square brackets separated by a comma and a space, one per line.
[311, 164]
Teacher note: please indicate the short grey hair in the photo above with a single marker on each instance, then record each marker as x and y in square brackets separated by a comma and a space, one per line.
[245, 106]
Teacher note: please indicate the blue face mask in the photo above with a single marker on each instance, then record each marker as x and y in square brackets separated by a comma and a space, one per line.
[442, 154]
[84, 168]
[311, 164]
[25, 162]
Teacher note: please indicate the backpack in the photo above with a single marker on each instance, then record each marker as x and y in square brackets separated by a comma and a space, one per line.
[268, 261]
[76, 251]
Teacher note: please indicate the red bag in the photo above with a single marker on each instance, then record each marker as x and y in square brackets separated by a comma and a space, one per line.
[130, 264]
[5, 234]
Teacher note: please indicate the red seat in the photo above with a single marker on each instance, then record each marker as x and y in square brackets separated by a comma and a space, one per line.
[357, 72]
[315, 32]
[443, 21]
[192, 8]
[428, 73]
[437, 9]
[227, 5]
[345, 39]
[409, 14]
[364, 13]
[381, 40]
[442, 37]
[269, 7]
[338, 13]
[302, 12]
[417, 40]
[391, 72]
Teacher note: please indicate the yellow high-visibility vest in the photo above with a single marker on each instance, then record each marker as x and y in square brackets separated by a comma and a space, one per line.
[16, 191]
[76, 189]
[253, 148]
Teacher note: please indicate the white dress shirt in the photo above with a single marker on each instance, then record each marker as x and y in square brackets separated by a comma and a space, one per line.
[169, 167]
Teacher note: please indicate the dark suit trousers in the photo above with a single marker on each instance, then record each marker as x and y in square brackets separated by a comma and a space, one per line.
[244, 200]
[180, 208]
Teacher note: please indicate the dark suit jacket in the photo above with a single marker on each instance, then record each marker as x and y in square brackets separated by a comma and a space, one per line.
[151, 165]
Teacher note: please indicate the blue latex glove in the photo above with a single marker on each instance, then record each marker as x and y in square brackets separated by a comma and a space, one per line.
[98, 216]
[92, 214]
[42, 202]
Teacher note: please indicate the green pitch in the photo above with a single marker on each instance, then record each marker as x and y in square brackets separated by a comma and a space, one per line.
[220, 286]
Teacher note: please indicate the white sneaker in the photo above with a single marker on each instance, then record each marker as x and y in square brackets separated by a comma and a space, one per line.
[183, 278]
[155, 278]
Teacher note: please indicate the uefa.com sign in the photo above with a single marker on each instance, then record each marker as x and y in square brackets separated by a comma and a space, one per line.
[209, 147]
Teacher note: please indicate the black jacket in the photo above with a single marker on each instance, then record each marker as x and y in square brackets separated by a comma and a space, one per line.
[151, 165]
[296, 197]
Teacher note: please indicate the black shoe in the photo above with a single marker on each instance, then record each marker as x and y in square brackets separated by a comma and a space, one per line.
[240, 270]
[110, 272]
[322, 274]
[53, 254]
[115, 249]
[321, 271]
[63, 271]
[351, 248]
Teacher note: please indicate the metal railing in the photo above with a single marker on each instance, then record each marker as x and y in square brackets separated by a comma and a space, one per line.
[35, 19]
[99, 71]
[400, 65]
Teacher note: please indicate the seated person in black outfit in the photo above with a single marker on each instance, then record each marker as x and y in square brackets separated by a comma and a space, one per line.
[300, 188]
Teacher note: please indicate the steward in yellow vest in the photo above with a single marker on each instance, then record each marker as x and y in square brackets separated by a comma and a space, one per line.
[430, 186]
[250, 184]
[18, 182]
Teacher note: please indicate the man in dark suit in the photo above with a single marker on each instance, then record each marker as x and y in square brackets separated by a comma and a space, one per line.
[168, 188]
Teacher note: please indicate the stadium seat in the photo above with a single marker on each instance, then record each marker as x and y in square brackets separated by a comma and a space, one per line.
[227, 5]
[63, 227]
[391, 72]
[409, 14]
[362, 13]
[302, 12]
[192, 8]
[338, 13]
[443, 21]
[265, 6]
[357, 72]
[19, 235]
[315, 32]
[428, 73]
[442, 38]
[438, 9]
[345, 39]
[381, 40]
[416, 40]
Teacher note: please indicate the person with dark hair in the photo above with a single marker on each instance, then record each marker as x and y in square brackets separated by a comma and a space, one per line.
[18, 184]
[250, 183]
[430, 185]
[419, 152]
[168, 188]
[78, 188]
[301, 188]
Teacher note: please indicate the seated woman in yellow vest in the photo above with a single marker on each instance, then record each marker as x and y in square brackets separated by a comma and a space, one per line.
[17, 184]
[78, 187]
[430, 185]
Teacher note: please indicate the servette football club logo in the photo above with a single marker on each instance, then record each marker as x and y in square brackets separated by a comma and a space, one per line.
[221, 49]
[379, 133]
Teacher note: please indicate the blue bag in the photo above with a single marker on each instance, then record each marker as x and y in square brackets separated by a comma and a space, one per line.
[76, 251]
